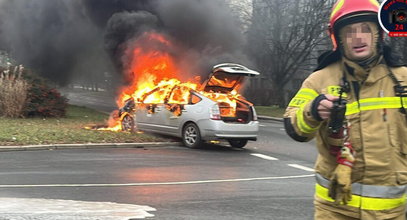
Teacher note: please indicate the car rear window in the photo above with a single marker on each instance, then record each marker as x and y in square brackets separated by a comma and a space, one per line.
[223, 80]
[195, 99]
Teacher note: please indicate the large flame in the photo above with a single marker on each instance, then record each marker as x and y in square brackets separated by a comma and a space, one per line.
[153, 75]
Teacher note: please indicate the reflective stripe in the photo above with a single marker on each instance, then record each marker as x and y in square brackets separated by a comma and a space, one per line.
[366, 203]
[307, 93]
[352, 108]
[298, 102]
[337, 7]
[302, 125]
[374, 104]
[374, 2]
[302, 97]
[368, 190]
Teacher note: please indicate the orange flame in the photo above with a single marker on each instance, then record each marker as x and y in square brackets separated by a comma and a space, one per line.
[155, 78]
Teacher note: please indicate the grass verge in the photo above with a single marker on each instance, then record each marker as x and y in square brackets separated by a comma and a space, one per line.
[70, 129]
[272, 111]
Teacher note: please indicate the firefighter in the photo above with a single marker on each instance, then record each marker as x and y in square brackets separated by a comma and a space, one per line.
[354, 104]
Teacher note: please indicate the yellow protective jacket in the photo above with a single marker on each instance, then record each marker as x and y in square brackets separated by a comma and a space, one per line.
[378, 134]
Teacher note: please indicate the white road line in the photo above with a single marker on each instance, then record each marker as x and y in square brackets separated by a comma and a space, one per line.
[301, 167]
[263, 125]
[264, 156]
[153, 184]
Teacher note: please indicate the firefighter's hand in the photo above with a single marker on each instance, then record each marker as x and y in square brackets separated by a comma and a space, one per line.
[340, 189]
[325, 106]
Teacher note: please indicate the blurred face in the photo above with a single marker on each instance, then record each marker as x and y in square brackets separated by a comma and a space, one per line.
[358, 42]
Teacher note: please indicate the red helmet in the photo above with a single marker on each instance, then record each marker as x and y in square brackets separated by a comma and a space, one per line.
[351, 11]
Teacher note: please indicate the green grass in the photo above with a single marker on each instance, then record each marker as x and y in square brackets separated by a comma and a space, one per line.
[70, 129]
[272, 111]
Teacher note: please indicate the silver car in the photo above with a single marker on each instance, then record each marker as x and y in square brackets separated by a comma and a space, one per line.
[202, 117]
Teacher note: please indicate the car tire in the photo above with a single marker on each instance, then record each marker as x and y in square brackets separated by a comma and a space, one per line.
[237, 143]
[127, 123]
[191, 137]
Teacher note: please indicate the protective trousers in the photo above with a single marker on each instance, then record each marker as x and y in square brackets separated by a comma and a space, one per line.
[324, 212]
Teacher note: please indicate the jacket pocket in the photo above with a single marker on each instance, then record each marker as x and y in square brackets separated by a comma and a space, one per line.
[401, 177]
[398, 136]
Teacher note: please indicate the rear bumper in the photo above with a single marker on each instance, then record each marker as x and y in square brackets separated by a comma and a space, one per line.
[217, 129]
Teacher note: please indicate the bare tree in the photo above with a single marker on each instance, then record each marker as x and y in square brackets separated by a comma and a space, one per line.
[399, 46]
[282, 38]
[243, 11]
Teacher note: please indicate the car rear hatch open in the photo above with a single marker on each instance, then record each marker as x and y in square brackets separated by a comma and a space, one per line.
[224, 79]
[227, 77]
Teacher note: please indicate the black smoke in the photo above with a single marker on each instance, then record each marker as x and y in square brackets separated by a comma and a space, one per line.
[205, 32]
[54, 38]
[206, 29]
[100, 11]
[123, 27]
[62, 39]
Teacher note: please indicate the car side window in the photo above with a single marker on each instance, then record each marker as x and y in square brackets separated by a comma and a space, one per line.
[194, 99]
[179, 95]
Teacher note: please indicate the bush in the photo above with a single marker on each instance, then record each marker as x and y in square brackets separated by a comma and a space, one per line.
[43, 100]
[24, 94]
[13, 92]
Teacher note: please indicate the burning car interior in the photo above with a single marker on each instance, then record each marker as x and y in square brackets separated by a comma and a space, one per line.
[239, 114]
[171, 105]
[162, 96]
[234, 110]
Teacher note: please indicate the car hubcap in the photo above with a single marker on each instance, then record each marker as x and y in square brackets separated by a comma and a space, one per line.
[190, 135]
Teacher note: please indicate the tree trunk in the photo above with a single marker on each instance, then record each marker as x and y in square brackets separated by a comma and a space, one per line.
[279, 95]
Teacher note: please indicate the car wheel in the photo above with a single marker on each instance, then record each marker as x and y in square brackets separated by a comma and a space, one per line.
[128, 123]
[238, 143]
[191, 137]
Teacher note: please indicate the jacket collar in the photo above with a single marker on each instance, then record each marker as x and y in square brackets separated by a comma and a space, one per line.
[367, 75]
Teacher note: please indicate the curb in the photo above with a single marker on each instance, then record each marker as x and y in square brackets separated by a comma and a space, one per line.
[103, 145]
[86, 146]
[270, 118]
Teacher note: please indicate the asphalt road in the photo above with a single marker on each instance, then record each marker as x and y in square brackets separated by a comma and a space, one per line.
[271, 178]
[179, 183]
[272, 137]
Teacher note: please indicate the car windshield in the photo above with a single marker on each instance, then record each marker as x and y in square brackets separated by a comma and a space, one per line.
[157, 95]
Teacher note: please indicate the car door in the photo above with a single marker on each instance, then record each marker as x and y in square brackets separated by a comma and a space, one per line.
[151, 110]
[176, 108]
[192, 111]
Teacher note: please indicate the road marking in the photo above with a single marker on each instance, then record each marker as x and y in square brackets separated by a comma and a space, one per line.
[160, 183]
[264, 156]
[262, 125]
[34, 208]
[301, 167]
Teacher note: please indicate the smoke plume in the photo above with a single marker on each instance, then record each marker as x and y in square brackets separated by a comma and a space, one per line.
[62, 39]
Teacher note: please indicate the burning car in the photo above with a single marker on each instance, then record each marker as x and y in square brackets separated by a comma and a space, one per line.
[213, 112]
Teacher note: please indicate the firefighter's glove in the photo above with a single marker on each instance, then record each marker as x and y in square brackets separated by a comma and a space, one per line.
[340, 188]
